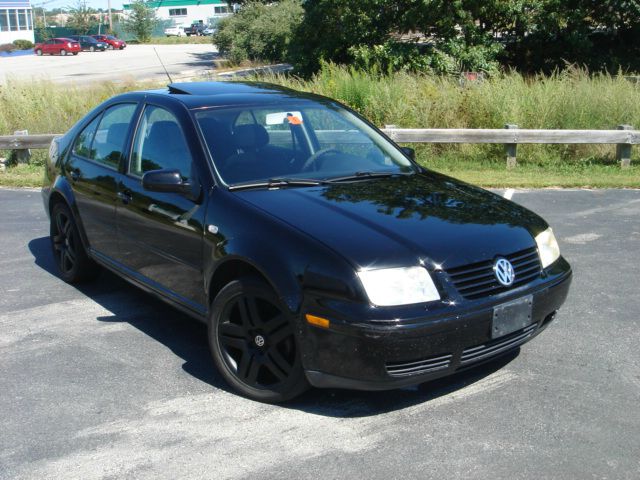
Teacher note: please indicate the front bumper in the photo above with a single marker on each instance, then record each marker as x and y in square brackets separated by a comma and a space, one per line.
[383, 355]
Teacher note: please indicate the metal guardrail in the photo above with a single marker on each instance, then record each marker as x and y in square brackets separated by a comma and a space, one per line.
[624, 137]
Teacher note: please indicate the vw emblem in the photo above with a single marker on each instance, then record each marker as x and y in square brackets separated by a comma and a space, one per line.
[259, 340]
[503, 270]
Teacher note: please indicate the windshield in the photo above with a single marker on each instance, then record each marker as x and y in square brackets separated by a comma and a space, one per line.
[305, 140]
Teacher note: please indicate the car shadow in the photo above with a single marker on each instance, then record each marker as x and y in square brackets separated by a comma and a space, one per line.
[187, 338]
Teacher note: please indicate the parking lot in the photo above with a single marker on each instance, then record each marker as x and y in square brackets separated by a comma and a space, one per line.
[104, 381]
[136, 62]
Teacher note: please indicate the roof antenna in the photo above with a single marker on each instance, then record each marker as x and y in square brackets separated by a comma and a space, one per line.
[165, 68]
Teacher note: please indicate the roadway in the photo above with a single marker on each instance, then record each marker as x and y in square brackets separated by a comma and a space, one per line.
[104, 381]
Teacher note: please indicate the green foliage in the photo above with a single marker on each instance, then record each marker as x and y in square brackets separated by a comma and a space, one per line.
[141, 21]
[332, 28]
[23, 44]
[259, 31]
[82, 18]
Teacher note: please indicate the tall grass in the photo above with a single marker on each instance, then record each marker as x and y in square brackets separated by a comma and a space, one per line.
[572, 99]
[41, 106]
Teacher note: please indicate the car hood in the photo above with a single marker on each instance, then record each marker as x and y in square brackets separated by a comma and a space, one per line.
[403, 220]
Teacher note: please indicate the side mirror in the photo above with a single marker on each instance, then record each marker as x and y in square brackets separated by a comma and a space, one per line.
[409, 152]
[165, 181]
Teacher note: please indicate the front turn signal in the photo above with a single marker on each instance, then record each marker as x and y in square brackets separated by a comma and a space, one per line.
[317, 321]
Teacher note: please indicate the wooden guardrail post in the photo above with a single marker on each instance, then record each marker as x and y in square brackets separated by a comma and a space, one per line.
[511, 149]
[22, 155]
[623, 151]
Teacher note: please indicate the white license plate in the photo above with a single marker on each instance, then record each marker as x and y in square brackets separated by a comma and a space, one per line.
[512, 316]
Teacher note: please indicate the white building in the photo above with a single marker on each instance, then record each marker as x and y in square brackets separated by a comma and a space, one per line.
[185, 12]
[16, 21]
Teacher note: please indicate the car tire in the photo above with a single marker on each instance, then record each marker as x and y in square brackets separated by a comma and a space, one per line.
[39, 52]
[252, 342]
[92, 48]
[75, 53]
[63, 52]
[110, 47]
[74, 265]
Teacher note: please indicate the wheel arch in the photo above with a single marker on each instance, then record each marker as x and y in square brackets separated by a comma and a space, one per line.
[234, 267]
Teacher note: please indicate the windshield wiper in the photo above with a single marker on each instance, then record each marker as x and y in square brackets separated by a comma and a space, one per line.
[365, 176]
[278, 183]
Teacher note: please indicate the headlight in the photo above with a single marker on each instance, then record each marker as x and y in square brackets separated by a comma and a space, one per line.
[398, 286]
[547, 247]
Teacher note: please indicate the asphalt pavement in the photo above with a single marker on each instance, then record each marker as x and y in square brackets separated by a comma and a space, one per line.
[134, 63]
[104, 381]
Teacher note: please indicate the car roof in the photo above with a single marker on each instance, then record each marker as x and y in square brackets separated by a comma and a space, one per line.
[218, 94]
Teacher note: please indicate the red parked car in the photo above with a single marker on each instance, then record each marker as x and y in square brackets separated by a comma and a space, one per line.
[111, 41]
[57, 46]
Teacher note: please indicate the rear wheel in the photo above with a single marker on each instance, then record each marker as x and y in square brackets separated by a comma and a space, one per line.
[39, 52]
[63, 52]
[75, 53]
[92, 48]
[110, 47]
[252, 341]
[71, 258]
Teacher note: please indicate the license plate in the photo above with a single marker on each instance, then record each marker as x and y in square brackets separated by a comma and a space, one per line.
[511, 316]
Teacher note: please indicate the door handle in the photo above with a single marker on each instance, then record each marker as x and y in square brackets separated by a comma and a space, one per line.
[125, 196]
[75, 175]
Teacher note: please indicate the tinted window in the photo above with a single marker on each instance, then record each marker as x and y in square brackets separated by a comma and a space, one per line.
[109, 141]
[82, 146]
[160, 144]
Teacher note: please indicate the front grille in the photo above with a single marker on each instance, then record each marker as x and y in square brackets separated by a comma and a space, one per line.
[477, 280]
[431, 364]
[495, 347]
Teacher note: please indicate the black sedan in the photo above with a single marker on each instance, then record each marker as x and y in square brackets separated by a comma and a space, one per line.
[317, 251]
[89, 44]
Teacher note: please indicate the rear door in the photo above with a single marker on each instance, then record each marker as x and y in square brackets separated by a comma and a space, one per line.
[93, 168]
[160, 234]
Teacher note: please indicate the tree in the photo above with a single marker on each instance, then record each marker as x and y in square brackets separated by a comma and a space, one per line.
[82, 17]
[259, 31]
[141, 20]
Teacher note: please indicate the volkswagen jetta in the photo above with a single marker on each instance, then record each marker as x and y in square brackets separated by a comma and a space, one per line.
[317, 251]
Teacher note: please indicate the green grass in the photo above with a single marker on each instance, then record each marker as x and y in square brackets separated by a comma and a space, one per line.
[568, 100]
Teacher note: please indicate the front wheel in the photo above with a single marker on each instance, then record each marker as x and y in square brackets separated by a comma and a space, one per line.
[75, 53]
[72, 260]
[110, 47]
[63, 52]
[92, 49]
[39, 52]
[252, 341]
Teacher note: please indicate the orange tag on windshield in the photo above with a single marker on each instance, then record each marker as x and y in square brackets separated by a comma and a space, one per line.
[293, 120]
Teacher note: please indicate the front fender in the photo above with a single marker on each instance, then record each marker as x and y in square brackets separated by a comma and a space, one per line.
[284, 255]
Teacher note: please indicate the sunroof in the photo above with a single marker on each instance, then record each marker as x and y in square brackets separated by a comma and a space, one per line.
[211, 88]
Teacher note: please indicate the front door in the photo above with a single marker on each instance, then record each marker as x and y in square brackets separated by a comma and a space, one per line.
[93, 170]
[160, 234]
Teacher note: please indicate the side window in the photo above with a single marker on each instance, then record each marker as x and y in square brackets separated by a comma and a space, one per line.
[160, 144]
[111, 135]
[82, 145]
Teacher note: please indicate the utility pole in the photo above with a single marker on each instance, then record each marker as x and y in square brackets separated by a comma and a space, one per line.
[110, 20]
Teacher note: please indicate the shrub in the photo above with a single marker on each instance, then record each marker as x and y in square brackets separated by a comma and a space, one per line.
[408, 57]
[7, 47]
[259, 31]
[23, 44]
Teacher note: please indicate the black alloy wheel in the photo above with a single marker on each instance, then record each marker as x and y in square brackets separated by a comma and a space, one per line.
[253, 344]
[70, 256]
